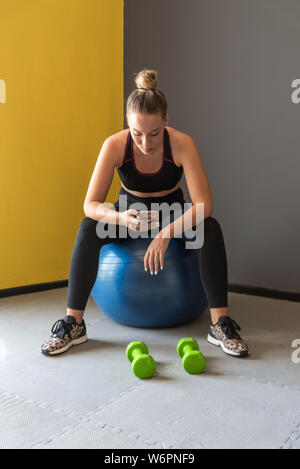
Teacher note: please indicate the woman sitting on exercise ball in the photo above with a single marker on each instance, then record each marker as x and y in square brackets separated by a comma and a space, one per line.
[150, 158]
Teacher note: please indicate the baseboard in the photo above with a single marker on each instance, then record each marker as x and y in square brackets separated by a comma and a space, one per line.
[33, 288]
[244, 290]
[258, 291]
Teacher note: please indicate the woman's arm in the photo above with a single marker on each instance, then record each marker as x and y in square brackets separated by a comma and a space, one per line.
[195, 175]
[100, 184]
[198, 187]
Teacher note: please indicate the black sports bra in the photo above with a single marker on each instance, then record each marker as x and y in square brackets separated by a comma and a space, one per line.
[165, 178]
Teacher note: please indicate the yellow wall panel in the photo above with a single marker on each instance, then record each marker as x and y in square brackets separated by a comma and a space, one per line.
[61, 64]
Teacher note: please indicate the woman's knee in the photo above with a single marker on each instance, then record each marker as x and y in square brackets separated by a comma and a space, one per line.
[100, 231]
[87, 227]
[212, 228]
[88, 223]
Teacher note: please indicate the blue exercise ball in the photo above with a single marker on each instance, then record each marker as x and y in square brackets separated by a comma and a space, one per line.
[131, 296]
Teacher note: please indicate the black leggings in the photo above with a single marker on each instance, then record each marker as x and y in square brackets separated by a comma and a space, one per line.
[85, 257]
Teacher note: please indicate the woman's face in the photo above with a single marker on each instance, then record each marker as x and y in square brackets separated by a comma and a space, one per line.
[147, 131]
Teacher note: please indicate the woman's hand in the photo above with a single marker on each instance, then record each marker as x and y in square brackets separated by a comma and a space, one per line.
[155, 253]
[128, 218]
[138, 221]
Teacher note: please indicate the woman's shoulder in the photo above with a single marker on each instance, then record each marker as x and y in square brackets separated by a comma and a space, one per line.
[178, 141]
[118, 143]
[177, 137]
[119, 139]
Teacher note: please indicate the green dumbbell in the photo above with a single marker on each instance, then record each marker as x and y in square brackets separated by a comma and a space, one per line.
[143, 365]
[193, 361]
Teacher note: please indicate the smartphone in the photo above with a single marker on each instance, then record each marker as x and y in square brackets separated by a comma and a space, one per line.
[152, 215]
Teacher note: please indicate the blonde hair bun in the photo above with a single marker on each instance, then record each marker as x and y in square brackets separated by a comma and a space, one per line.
[146, 79]
[141, 100]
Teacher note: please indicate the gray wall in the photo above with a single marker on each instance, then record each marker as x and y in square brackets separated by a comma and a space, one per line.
[226, 67]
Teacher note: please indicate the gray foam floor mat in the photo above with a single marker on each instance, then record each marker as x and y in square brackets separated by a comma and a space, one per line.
[88, 397]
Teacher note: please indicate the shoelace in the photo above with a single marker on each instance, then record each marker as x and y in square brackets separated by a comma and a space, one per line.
[229, 327]
[60, 328]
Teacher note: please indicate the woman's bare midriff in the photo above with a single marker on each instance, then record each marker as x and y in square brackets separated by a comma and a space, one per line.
[160, 193]
[152, 194]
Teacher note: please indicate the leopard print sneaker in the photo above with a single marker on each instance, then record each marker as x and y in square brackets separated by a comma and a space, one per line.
[64, 333]
[223, 334]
